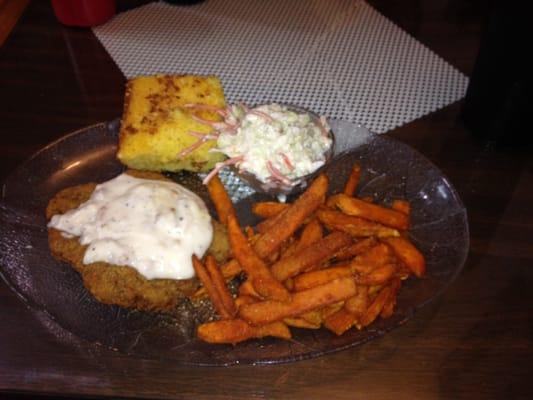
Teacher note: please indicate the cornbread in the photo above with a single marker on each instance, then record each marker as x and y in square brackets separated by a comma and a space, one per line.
[155, 123]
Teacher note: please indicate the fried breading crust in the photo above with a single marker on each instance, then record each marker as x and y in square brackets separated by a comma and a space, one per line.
[114, 284]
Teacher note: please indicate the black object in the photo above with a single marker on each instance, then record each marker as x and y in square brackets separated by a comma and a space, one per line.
[500, 91]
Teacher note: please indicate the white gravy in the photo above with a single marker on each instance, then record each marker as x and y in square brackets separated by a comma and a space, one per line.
[152, 226]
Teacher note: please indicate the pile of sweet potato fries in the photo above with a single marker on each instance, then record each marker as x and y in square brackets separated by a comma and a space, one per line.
[333, 261]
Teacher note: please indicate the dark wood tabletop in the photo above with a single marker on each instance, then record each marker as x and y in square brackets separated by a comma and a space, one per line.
[474, 341]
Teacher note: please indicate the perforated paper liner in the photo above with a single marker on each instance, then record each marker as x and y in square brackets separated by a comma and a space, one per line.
[341, 59]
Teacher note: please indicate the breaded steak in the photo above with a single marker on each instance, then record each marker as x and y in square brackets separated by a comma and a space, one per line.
[114, 284]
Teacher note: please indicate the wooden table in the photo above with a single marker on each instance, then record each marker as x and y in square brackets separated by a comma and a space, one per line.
[473, 342]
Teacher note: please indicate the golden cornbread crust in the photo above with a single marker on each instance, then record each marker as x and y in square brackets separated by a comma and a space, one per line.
[114, 284]
[155, 123]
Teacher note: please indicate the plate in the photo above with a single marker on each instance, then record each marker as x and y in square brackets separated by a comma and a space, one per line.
[391, 170]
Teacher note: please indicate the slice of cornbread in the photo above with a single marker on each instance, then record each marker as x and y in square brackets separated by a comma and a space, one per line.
[155, 123]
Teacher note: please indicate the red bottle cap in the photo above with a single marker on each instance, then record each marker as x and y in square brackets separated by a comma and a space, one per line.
[83, 12]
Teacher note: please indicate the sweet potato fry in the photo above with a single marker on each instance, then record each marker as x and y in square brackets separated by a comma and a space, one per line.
[340, 321]
[362, 269]
[258, 272]
[289, 284]
[312, 255]
[219, 284]
[276, 329]
[349, 252]
[388, 307]
[268, 311]
[331, 309]
[331, 201]
[313, 317]
[374, 257]
[353, 180]
[267, 209]
[249, 232]
[288, 248]
[378, 276]
[220, 198]
[373, 291]
[402, 206]
[203, 275]
[355, 226]
[408, 254]
[347, 277]
[300, 323]
[358, 304]
[271, 222]
[236, 330]
[291, 219]
[311, 233]
[310, 279]
[231, 269]
[375, 307]
[242, 299]
[267, 224]
[247, 289]
[373, 212]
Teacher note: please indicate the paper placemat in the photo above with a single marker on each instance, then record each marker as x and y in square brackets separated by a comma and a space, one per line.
[341, 58]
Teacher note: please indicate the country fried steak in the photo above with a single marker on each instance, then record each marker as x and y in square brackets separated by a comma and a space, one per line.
[118, 284]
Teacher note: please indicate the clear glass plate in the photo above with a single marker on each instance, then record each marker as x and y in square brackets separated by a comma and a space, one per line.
[390, 170]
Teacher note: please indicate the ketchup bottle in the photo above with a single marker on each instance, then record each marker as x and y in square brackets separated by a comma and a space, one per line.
[83, 13]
